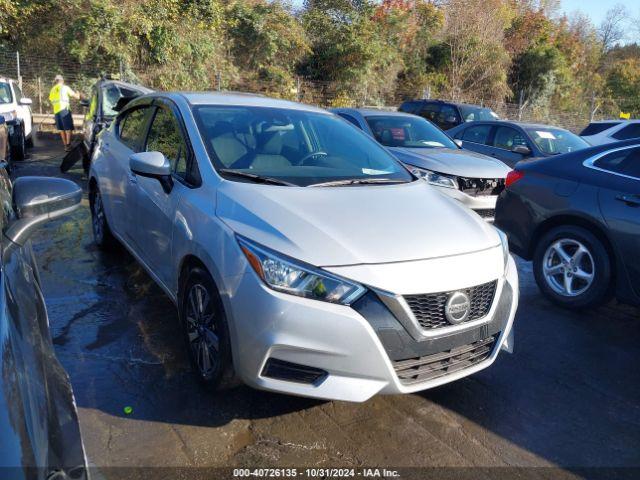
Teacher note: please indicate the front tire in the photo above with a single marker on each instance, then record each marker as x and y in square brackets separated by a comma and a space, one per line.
[101, 230]
[572, 267]
[205, 329]
[19, 145]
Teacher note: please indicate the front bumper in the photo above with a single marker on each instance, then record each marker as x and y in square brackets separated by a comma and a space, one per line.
[357, 347]
[483, 205]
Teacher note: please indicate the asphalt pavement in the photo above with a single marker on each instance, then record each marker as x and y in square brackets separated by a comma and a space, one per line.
[567, 398]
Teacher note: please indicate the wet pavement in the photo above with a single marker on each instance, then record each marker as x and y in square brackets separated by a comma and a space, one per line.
[568, 397]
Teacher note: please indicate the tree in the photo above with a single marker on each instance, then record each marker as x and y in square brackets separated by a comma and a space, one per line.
[472, 52]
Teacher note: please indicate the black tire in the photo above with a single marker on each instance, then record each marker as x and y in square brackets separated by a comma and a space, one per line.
[101, 231]
[29, 140]
[205, 330]
[589, 274]
[19, 146]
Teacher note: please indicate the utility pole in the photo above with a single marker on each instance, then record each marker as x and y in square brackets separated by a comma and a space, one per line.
[18, 69]
[40, 94]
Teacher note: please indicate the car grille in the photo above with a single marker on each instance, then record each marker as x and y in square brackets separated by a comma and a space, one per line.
[430, 367]
[477, 187]
[486, 212]
[428, 309]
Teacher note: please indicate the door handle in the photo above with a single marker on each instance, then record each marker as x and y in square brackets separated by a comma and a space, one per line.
[631, 200]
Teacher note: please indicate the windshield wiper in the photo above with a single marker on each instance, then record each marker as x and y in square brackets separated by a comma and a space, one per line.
[357, 181]
[256, 178]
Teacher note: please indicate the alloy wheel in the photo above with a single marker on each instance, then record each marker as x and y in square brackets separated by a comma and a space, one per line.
[568, 267]
[201, 331]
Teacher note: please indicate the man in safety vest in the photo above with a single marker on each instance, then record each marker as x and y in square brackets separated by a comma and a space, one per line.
[59, 96]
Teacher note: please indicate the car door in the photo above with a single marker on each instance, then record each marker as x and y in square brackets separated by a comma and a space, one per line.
[156, 208]
[90, 119]
[24, 111]
[505, 140]
[620, 205]
[476, 138]
[118, 187]
[38, 417]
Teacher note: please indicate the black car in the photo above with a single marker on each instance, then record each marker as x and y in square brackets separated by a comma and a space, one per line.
[447, 115]
[577, 216]
[515, 141]
[107, 98]
[39, 432]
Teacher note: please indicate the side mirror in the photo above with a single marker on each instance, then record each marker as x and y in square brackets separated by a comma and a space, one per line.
[25, 101]
[152, 165]
[522, 150]
[38, 200]
[84, 103]
[458, 142]
[2, 120]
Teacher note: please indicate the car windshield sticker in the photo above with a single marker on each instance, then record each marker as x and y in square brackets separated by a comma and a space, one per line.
[544, 134]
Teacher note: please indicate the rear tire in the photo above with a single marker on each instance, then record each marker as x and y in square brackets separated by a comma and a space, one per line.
[572, 267]
[205, 330]
[101, 230]
[19, 146]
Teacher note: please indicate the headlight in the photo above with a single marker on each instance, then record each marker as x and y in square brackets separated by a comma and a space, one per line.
[437, 179]
[289, 276]
[505, 247]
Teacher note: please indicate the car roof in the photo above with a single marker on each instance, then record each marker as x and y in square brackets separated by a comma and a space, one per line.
[446, 102]
[369, 112]
[241, 99]
[510, 123]
[617, 122]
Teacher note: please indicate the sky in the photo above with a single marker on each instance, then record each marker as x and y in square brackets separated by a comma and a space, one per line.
[596, 9]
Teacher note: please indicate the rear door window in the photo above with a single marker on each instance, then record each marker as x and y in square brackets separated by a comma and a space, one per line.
[626, 133]
[132, 128]
[447, 117]
[595, 128]
[626, 162]
[476, 134]
[430, 111]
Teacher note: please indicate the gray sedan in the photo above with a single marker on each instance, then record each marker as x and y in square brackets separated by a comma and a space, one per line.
[471, 178]
[515, 141]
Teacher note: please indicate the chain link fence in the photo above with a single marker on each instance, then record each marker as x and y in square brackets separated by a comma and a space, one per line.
[36, 75]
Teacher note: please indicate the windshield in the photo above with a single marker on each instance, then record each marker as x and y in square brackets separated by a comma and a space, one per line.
[553, 141]
[409, 132]
[5, 93]
[293, 146]
[111, 95]
[476, 114]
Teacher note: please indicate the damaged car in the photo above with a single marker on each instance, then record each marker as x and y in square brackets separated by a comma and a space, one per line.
[106, 99]
[471, 178]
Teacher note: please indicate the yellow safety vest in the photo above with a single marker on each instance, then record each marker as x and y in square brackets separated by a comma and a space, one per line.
[59, 98]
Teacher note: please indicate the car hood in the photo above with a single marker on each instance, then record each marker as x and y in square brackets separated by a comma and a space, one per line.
[336, 226]
[462, 163]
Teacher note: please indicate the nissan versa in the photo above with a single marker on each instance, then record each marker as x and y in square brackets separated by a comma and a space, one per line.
[302, 257]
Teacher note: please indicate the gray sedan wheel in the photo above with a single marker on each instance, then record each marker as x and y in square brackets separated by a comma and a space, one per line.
[572, 267]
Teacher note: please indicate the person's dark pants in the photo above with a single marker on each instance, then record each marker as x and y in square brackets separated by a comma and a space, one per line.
[64, 120]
